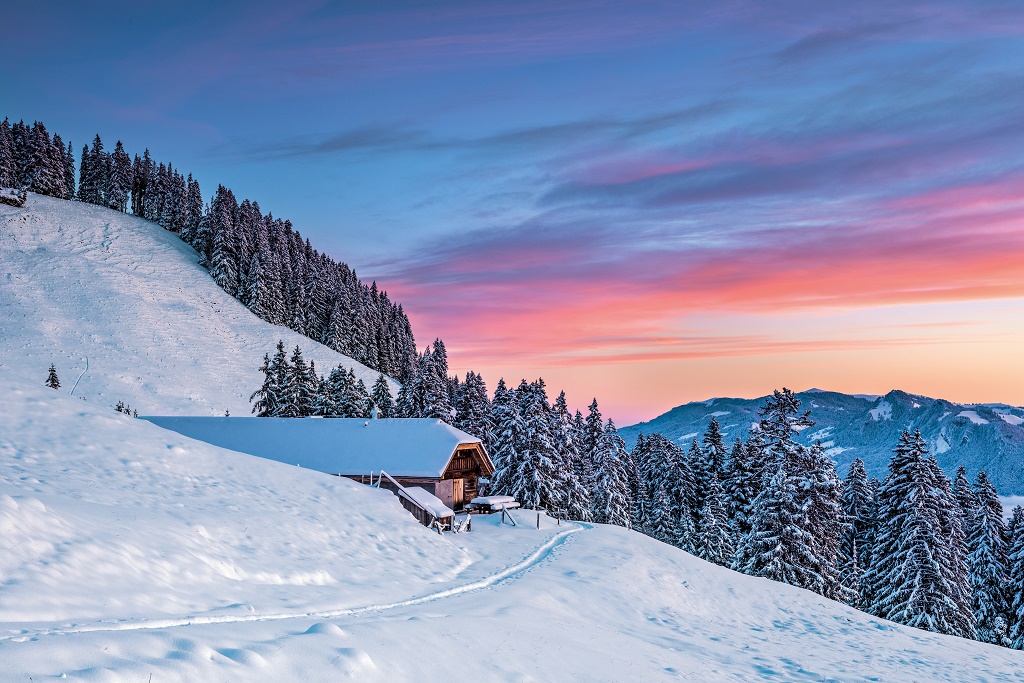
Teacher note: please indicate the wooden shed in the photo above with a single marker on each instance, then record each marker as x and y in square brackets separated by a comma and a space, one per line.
[416, 452]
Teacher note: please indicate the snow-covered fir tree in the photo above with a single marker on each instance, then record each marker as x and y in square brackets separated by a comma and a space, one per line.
[796, 519]
[1015, 579]
[913, 577]
[966, 499]
[610, 489]
[668, 485]
[473, 408]
[52, 380]
[744, 470]
[508, 429]
[264, 399]
[576, 500]
[988, 565]
[714, 540]
[715, 450]
[858, 511]
[776, 547]
[537, 477]
[8, 170]
[119, 179]
[302, 389]
[381, 396]
[436, 398]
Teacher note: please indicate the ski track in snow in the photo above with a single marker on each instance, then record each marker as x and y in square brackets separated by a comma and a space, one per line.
[543, 552]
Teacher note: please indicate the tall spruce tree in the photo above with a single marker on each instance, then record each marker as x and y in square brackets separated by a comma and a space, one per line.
[988, 565]
[381, 396]
[715, 449]
[576, 495]
[610, 489]
[714, 538]
[473, 408]
[1015, 579]
[8, 169]
[119, 179]
[858, 509]
[913, 576]
[265, 398]
[508, 429]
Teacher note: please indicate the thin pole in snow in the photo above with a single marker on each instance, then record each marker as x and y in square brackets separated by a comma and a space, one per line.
[538, 520]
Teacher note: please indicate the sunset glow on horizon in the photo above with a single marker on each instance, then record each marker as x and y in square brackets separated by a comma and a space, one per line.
[650, 203]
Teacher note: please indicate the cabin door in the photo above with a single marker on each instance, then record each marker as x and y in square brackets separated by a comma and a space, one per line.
[458, 493]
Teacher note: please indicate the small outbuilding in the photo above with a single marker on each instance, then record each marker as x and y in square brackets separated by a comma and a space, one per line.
[416, 452]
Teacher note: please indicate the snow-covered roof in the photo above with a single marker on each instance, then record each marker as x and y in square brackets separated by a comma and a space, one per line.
[429, 502]
[404, 447]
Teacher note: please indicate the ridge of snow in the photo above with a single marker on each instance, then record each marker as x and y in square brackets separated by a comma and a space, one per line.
[1011, 419]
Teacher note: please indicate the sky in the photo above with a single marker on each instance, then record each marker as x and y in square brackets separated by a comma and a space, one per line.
[646, 202]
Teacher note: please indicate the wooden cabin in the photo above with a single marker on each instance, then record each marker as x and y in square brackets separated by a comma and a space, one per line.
[416, 452]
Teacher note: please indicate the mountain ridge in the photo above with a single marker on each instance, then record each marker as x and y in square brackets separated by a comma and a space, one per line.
[978, 436]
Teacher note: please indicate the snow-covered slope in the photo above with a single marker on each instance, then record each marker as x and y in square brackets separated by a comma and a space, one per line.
[129, 553]
[80, 281]
[986, 437]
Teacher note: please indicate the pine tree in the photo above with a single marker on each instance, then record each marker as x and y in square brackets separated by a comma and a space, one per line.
[473, 409]
[577, 495]
[536, 478]
[508, 429]
[69, 172]
[775, 547]
[988, 565]
[119, 180]
[8, 169]
[967, 500]
[714, 448]
[224, 248]
[590, 439]
[51, 379]
[1015, 579]
[436, 399]
[301, 387]
[381, 396]
[742, 484]
[714, 539]
[266, 396]
[821, 496]
[858, 509]
[914, 576]
[282, 374]
[362, 402]
[669, 485]
[610, 490]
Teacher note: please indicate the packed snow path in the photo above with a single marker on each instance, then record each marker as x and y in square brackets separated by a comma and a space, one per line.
[106, 521]
[508, 573]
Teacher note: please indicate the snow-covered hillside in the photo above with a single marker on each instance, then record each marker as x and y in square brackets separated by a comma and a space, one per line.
[80, 281]
[133, 554]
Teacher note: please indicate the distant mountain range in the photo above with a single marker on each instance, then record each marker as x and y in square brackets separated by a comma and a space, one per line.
[986, 437]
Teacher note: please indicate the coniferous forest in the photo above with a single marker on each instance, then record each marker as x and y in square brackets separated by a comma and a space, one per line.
[256, 258]
[914, 548]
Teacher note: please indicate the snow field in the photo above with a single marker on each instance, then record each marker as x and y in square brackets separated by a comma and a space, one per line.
[135, 552]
